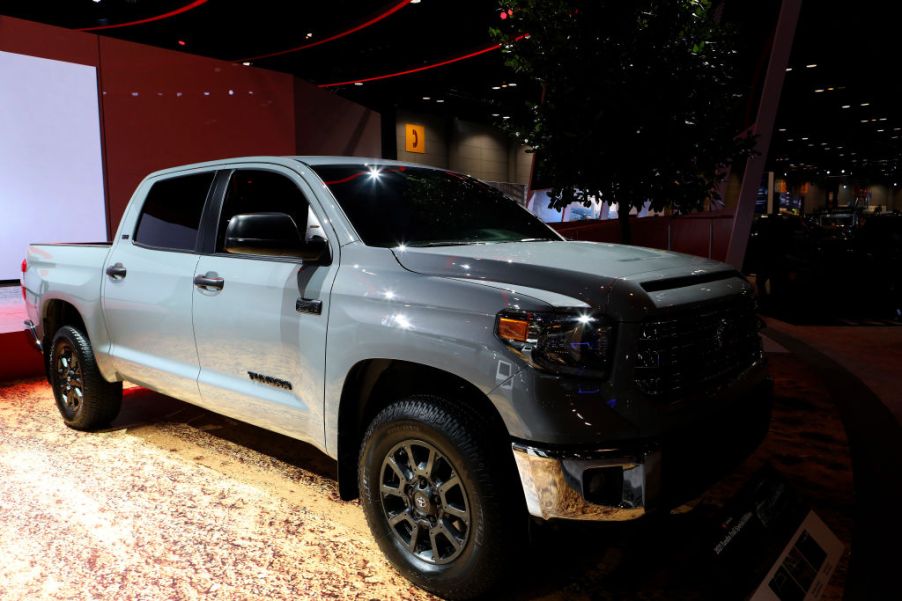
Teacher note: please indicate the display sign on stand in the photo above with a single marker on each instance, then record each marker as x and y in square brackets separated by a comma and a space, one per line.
[805, 566]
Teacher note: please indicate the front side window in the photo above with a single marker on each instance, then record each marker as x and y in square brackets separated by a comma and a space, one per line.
[394, 205]
[171, 213]
[253, 191]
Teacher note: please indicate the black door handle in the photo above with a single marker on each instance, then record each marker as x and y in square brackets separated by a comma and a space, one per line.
[207, 281]
[116, 271]
[309, 305]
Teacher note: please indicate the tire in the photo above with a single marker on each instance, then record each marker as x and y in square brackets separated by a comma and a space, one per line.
[84, 399]
[469, 528]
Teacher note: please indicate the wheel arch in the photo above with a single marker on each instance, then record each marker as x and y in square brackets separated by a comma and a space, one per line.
[372, 384]
[55, 314]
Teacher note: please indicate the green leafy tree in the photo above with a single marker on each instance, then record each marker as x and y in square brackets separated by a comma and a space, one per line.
[639, 100]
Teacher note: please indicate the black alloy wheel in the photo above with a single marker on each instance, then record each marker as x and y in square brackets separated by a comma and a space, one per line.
[425, 501]
[69, 380]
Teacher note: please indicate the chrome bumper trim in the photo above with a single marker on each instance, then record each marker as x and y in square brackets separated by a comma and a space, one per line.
[551, 483]
[31, 329]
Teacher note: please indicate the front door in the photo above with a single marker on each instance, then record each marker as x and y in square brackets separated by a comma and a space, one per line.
[262, 352]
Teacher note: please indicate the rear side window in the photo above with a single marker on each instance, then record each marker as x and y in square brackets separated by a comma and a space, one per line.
[171, 214]
[252, 191]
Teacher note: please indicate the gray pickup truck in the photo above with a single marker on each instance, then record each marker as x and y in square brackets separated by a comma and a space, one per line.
[466, 366]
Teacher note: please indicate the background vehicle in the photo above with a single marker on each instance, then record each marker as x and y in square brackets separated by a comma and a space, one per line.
[826, 267]
[465, 365]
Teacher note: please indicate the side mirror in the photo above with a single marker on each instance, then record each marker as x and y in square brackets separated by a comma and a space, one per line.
[270, 234]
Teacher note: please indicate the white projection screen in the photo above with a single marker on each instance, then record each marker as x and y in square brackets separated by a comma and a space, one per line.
[51, 170]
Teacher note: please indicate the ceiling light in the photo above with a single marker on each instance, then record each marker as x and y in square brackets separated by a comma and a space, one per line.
[883, 118]
[496, 87]
[818, 91]
[440, 100]
[845, 106]
[506, 117]
[358, 83]
[309, 35]
[414, 1]
[496, 115]
[512, 85]
[804, 138]
[811, 66]
[865, 104]
[182, 43]
[427, 98]
[246, 63]
[789, 68]
[782, 129]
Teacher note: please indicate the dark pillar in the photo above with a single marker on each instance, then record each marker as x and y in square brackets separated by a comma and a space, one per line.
[763, 128]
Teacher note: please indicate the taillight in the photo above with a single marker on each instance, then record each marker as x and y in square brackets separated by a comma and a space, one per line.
[24, 269]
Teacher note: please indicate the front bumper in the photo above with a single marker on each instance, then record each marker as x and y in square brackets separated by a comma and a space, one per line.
[604, 485]
[624, 483]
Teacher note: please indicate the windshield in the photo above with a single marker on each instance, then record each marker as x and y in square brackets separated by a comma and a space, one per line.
[413, 206]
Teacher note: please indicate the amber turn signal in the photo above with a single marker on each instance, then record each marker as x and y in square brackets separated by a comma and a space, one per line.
[513, 329]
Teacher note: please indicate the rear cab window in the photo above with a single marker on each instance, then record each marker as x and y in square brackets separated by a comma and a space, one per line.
[171, 215]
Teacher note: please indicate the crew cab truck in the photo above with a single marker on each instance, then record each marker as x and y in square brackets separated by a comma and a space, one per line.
[466, 366]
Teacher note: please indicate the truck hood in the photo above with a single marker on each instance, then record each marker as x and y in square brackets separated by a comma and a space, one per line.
[588, 271]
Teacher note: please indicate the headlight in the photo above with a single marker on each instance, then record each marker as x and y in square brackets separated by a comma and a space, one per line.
[569, 341]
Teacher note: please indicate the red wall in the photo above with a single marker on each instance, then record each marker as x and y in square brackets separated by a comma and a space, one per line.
[704, 234]
[329, 124]
[45, 41]
[161, 108]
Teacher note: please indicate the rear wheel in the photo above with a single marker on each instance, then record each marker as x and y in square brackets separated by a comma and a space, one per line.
[439, 497]
[84, 399]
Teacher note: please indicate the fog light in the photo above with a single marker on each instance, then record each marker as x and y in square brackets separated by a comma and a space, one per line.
[603, 485]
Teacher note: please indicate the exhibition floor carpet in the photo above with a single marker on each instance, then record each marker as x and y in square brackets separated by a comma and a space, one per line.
[175, 502]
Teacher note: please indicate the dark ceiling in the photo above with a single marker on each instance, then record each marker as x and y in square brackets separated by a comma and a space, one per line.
[839, 110]
[852, 45]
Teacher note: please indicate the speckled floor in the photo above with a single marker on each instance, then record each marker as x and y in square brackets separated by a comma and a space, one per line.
[177, 503]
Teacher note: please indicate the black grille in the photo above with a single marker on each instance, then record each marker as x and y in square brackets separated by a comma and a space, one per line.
[697, 350]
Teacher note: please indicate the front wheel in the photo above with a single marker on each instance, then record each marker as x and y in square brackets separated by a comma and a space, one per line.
[439, 497]
[84, 399]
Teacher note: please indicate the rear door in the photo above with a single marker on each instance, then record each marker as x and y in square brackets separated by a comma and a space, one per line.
[148, 291]
[261, 338]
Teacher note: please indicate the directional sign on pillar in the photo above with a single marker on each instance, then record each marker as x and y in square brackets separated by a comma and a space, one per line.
[414, 138]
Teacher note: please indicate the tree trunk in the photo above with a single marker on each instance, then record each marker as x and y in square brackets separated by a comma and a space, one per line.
[623, 216]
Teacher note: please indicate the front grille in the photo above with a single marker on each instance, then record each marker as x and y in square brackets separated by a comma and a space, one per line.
[697, 350]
